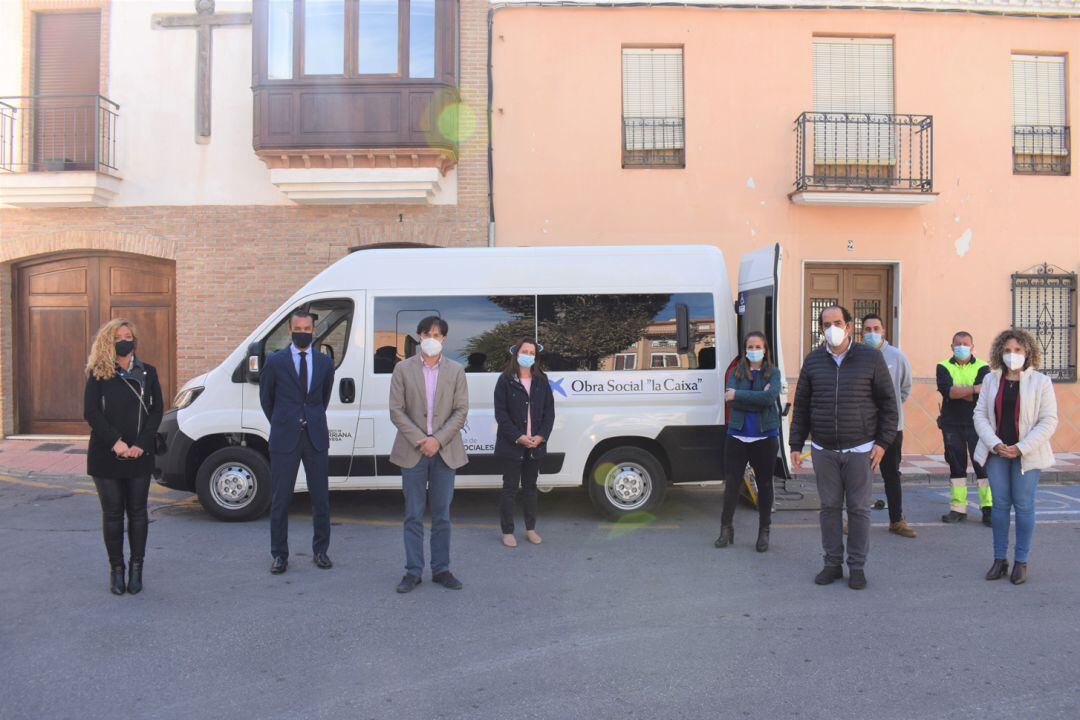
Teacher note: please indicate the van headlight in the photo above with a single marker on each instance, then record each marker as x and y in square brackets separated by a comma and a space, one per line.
[187, 396]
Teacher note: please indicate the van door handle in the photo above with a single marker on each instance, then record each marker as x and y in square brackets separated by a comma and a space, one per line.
[347, 390]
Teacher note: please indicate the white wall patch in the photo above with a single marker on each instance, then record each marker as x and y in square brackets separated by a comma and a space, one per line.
[963, 243]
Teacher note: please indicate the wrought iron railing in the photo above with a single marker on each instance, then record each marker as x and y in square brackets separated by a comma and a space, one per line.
[42, 133]
[864, 152]
[654, 142]
[1041, 149]
[1044, 304]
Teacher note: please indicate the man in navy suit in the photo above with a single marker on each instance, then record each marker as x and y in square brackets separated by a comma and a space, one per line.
[295, 387]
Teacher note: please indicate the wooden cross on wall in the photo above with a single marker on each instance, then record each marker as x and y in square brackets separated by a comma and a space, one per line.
[204, 20]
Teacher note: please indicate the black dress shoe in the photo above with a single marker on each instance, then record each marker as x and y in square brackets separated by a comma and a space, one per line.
[857, 580]
[762, 540]
[828, 574]
[727, 537]
[408, 583]
[987, 521]
[322, 561]
[1019, 573]
[134, 585]
[116, 580]
[953, 517]
[998, 570]
[279, 565]
[447, 580]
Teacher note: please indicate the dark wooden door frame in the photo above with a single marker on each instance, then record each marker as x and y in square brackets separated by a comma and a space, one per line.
[889, 310]
[98, 309]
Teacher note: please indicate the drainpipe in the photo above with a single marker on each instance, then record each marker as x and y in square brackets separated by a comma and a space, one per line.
[490, 154]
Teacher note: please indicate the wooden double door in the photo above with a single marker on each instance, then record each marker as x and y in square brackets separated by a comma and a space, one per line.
[61, 301]
[861, 288]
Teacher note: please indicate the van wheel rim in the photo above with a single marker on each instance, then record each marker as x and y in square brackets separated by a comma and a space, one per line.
[233, 486]
[628, 486]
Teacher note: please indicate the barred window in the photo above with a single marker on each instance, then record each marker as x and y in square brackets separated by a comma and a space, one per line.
[653, 113]
[1040, 123]
[1044, 304]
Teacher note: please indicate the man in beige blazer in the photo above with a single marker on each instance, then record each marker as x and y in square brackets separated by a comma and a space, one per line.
[429, 401]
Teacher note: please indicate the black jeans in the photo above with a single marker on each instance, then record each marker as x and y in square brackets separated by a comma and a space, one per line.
[524, 473]
[120, 496]
[761, 455]
[890, 473]
[960, 442]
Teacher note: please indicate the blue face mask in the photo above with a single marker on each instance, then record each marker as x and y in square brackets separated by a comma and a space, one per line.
[962, 352]
[755, 355]
[872, 339]
[526, 361]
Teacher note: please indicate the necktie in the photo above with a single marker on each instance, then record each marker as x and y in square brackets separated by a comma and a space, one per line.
[303, 372]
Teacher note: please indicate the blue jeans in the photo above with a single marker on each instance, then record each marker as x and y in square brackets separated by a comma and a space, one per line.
[1012, 489]
[429, 482]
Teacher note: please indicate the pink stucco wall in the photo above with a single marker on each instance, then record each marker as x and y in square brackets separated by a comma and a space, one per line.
[558, 175]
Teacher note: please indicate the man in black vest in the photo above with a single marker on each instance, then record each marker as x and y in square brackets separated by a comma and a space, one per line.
[846, 404]
[295, 387]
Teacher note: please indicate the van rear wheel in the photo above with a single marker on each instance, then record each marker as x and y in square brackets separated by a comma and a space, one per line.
[626, 481]
[233, 484]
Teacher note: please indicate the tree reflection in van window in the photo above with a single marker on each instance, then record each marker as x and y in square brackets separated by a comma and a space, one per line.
[482, 328]
[620, 332]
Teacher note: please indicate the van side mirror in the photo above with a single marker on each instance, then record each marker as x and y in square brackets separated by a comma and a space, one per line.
[254, 362]
[682, 327]
[328, 350]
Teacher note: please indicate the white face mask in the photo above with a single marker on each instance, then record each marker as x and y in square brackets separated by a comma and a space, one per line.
[1014, 361]
[430, 347]
[835, 335]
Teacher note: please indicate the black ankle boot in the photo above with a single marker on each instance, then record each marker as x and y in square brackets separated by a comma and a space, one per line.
[762, 539]
[1019, 573]
[134, 585]
[116, 580]
[727, 537]
[998, 570]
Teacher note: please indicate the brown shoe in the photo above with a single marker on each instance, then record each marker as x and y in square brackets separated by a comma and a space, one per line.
[901, 528]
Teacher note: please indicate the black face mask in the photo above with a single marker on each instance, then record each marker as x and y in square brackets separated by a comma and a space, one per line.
[301, 340]
[124, 347]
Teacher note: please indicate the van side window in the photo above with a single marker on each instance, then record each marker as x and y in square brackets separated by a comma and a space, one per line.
[625, 332]
[333, 320]
[482, 328]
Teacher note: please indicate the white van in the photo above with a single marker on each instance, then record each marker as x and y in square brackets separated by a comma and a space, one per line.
[636, 343]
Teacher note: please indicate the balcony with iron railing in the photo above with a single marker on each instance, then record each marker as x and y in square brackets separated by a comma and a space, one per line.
[58, 150]
[863, 159]
[1041, 150]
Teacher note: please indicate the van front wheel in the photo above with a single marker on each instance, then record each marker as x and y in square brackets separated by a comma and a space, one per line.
[625, 482]
[233, 484]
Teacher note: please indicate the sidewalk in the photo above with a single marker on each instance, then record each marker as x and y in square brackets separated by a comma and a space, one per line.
[68, 457]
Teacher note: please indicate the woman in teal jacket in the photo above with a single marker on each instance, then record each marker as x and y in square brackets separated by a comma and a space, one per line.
[752, 435]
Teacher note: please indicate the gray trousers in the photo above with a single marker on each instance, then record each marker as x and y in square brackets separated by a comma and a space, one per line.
[844, 477]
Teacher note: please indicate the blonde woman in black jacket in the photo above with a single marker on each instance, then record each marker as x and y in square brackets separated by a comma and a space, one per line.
[525, 412]
[123, 405]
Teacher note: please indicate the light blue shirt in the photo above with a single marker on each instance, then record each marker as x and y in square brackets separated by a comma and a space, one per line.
[296, 362]
[865, 447]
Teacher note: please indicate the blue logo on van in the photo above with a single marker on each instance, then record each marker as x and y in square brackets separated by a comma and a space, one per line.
[556, 385]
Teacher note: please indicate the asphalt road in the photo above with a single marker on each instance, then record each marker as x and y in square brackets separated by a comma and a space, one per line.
[600, 621]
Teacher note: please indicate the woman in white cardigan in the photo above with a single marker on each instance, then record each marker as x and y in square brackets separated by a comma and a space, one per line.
[1015, 417]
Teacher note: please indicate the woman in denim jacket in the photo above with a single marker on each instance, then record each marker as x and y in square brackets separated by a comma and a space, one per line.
[752, 435]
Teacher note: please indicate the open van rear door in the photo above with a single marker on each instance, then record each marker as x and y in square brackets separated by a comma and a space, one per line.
[758, 308]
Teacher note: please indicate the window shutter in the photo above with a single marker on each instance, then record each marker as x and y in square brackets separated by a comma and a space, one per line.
[653, 96]
[1038, 99]
[68, 53]
[1038, 90]
[853, 75]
